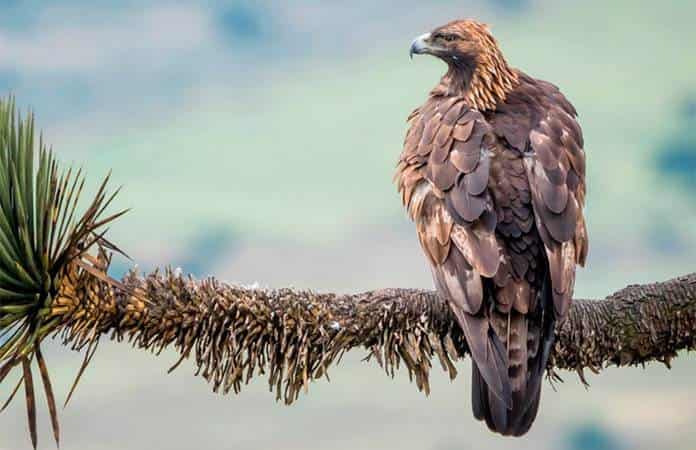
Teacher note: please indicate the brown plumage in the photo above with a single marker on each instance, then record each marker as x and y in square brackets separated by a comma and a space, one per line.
[493, 174]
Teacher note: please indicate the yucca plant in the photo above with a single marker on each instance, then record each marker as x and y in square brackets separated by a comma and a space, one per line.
[42, 238]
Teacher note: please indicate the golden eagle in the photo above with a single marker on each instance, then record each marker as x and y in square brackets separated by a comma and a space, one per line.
[493, 174]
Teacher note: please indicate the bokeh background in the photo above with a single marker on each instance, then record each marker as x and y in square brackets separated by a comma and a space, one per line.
[256, 141]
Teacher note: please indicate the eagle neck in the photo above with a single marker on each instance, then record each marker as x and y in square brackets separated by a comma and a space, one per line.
[482, 82]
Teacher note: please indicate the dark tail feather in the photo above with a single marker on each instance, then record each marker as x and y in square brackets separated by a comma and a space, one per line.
[517, 419]
[523, 421]
[485, 405]
[479, 396]
[491, 390]
[488, 353]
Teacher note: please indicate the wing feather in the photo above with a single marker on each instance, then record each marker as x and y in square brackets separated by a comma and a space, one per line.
[556, 172]
[455, 222]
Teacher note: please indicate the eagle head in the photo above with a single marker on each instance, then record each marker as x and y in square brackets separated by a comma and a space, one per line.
[460, 41]
[477, 67]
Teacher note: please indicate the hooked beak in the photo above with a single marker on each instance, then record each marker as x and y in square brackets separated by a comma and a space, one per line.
[420, 45]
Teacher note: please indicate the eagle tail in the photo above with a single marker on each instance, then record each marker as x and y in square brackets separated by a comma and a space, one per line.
[527, 340]
[509, 332]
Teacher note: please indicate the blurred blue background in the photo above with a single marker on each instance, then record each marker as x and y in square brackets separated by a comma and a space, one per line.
[256, 141]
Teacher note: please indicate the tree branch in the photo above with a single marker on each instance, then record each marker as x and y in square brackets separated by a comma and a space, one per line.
[235, 333]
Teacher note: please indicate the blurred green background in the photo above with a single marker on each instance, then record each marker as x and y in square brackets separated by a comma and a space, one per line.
[256, 141]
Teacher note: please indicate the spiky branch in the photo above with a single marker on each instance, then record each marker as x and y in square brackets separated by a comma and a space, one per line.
[54, 281]
[235, 333]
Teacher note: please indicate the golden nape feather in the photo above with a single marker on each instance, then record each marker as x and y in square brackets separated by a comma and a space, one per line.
[493, 174]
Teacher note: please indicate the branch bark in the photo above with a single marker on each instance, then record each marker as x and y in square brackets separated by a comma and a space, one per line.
[235, 333]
